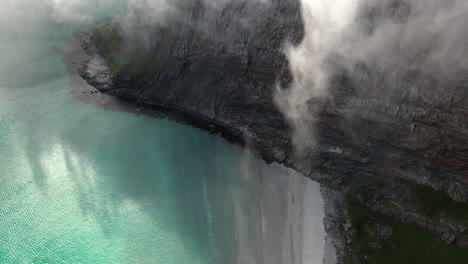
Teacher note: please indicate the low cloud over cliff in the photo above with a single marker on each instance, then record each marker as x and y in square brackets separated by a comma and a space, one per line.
[389, 50]
[384, 43]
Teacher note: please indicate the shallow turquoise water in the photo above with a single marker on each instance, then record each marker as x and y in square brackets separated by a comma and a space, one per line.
[79, 184]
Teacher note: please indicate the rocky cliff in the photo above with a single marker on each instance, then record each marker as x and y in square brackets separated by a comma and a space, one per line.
[381, 138]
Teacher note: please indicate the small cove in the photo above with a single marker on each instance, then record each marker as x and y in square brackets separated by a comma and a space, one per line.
[84, 184]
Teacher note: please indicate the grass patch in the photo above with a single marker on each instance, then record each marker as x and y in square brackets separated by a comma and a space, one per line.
[127, 57]
[407, 243]
[435, 204]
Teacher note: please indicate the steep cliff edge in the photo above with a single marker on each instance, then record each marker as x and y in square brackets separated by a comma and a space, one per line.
[395, 147]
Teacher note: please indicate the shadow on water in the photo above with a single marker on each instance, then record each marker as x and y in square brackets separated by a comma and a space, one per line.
[191, 163]
[155, 164]
[115, 159]
[142, 171]
[34, 160]
[172, 174]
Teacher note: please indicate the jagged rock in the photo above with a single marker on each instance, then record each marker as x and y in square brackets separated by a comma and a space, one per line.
[448, 238]
[384, 231]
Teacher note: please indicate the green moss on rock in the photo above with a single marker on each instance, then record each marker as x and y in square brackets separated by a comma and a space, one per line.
[438, 204]
[127, 57]
[380, 239]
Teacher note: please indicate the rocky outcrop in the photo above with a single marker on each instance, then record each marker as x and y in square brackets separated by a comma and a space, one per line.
[225, 64]
[222, 65]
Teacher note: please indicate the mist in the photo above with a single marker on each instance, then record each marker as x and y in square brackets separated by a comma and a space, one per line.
[388, 48]
[142, 17]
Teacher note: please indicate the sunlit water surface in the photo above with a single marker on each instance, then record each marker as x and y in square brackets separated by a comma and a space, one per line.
[79, 184]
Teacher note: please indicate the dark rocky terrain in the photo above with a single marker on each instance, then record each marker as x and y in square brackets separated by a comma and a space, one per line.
[392, 152]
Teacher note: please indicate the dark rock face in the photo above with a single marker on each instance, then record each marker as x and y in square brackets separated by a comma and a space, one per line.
[226, 62]
[373, 130]
[225, 65]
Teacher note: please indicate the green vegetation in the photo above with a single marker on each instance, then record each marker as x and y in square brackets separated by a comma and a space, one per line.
[127, 57]
[435, 204]
[405, 243]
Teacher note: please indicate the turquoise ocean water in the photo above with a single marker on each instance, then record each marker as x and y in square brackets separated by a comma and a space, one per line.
[80, 184]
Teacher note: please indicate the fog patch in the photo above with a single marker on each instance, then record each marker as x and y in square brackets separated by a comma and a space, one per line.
[415, 47]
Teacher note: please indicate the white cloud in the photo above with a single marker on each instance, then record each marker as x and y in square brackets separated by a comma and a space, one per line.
[391, 37]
